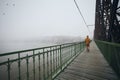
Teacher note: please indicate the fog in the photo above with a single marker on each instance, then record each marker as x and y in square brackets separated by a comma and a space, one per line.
[22, 20]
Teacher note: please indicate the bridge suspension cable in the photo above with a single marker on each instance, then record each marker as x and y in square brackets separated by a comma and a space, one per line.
[81, 15]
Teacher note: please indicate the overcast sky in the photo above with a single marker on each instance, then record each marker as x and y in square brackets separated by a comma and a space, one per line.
[21, 19]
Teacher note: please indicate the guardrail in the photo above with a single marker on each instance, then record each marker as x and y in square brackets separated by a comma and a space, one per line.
[111, 52]
[38, 64]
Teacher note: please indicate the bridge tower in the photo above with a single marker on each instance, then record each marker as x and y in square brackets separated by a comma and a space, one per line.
[107, 20]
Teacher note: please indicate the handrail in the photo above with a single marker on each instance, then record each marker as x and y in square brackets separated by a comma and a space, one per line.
[14, 52]
[43, 63]
[111, 52]
[110, 43]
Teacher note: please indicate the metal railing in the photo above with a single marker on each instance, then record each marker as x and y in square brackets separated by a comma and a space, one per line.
[38, 64]
[111, 52]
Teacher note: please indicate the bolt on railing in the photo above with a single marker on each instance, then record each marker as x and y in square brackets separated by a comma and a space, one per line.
[38, 64]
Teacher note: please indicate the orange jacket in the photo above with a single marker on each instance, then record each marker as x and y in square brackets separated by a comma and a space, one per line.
[87, 40]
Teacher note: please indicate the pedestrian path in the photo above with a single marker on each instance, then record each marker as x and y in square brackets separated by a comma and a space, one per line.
[88, 66]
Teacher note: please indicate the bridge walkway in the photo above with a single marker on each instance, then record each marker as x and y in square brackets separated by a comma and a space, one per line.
[88, 66]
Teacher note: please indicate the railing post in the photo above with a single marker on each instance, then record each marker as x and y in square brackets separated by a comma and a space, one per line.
[39, 66]
[47, 65]
[19, 65]
[27, 62]
[75, 49]
[56, 60]
[80, 47]
[51, 63]
[33, 65]
[8, 69]
[71, 51]
[60, 57]
[43, 64]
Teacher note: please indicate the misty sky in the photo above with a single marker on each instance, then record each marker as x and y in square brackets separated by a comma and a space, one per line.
[20, 19]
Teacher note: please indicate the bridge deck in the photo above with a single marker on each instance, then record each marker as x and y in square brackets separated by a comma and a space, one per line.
[88, 66]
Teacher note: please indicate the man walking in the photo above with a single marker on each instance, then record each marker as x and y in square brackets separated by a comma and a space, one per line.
[87, 42]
